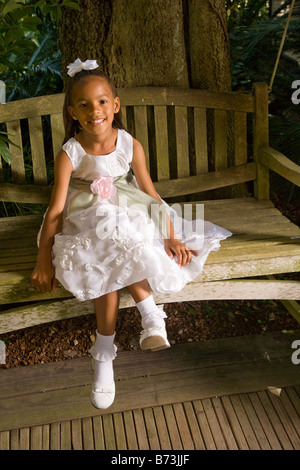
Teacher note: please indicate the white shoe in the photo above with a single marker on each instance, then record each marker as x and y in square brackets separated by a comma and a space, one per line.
[103, 396]
[154, 338]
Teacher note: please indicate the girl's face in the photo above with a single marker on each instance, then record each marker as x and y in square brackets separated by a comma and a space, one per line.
[94, 105]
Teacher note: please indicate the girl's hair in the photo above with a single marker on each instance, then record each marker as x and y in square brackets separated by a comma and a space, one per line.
[72, 127]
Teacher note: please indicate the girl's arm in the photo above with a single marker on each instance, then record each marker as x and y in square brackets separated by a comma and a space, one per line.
[172, 245]
[43, 275]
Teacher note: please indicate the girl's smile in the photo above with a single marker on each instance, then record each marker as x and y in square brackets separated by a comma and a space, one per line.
[94, 105]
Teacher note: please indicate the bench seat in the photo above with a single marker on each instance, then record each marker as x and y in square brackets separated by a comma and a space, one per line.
[199, 145]
[264, 243]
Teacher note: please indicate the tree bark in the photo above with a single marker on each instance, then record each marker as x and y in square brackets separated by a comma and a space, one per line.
[137, 42]
[180, 43]
[209, 52]
[172, 43]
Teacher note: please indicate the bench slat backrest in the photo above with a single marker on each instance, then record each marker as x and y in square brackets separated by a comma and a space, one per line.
[194, 137]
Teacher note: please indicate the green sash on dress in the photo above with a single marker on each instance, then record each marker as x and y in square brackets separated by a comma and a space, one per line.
[84, 198]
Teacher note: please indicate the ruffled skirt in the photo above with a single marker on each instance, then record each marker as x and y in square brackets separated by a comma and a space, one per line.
[107, 247]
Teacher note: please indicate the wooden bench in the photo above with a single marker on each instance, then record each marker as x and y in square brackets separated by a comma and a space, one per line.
[193, 123]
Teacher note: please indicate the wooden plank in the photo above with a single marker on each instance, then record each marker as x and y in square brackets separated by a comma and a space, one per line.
[151, 385]
[294, 400]
[240, 137]
[55, 436]
[182, 142]
[198, 183]
[119, 431]
[24, 439]
[290, 430]
[141, 130]
[204, 426]
[46, 437]
[244, 422]
[140, 429]
[4, 440]
[14, 439]
[185, 435]
[37, 150]
[52, 104]
[214, 424]
[186, 97]
[36, 435]
[275, 421]
[151, 429]
[161, 136]
[28, 193]
[124, 116]
[162, 430]
[98, 433]
[220, 140]
[261, 139]
[17, 164]
[279, 163]
[234, 423]
[23, 317]
[130, 430]
[109, 433]
[224, 424]
[76, 434]
[42, 378]
[87, 432]
[265, 422]
[255, 423]
[31, 107]
[172, 427]
[57, 132]
[65, 436]
[200, 140]
[193, 426]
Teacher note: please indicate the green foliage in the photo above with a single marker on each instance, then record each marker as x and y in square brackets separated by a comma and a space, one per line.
[254, 41]
[255, 37]
[30, 61]
[29, 58]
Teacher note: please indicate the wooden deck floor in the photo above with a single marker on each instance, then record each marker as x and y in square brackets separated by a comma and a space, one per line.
[208, 395]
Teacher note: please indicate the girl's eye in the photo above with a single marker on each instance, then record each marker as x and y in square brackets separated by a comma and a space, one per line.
[103, 101]
[82, 105]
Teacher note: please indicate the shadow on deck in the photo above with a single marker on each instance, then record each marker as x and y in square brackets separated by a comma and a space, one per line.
[210, 395]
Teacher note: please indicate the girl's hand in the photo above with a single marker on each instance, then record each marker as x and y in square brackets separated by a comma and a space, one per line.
[174, 247]
[43, 279]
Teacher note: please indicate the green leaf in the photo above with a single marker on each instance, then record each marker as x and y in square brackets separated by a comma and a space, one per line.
[12, 5]
[5, 153]
[4, 137]
[71, 5]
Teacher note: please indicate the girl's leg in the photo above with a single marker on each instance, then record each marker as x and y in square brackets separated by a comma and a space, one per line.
[139, 290]
[104, 350]
[106, 308]
[154, 335]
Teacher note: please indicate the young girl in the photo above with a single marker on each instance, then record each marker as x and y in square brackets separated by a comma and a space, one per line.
[98, 236]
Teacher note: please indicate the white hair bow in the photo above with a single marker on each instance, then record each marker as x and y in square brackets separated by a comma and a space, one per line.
[77, 66]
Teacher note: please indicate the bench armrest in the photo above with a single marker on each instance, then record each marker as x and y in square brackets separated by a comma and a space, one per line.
[279, 163]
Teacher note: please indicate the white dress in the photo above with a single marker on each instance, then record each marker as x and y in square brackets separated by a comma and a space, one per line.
[112, 244]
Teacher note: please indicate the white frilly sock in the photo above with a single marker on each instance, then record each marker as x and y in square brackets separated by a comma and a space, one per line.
[104, 352]
[152, 314]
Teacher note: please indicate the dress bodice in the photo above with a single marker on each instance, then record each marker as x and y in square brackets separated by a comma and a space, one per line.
[89, 167]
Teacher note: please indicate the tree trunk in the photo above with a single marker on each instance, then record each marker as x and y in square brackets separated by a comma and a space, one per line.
[180, 43]
[208, 45]
[172, 43]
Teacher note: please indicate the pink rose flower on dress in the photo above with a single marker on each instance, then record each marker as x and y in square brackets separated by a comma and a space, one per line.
[104, 187]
